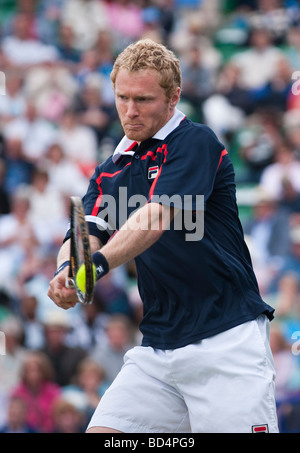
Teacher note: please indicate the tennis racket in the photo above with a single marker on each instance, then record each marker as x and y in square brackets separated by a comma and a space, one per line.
[80, 252]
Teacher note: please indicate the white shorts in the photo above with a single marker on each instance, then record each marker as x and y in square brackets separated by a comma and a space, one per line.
[223, 384]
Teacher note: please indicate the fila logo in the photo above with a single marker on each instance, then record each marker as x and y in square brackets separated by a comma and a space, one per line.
[257, 429]
[152, 172]
[99, 271]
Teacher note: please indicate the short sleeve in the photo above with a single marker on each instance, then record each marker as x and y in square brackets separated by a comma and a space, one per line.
[95, 214]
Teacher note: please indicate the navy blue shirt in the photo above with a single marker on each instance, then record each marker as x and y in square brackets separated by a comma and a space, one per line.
[193, 283]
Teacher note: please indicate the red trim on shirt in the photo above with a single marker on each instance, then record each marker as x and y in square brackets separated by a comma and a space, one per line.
[152, 154]
[98, 180]
[130, 148]
[223, 153]
[165, 151]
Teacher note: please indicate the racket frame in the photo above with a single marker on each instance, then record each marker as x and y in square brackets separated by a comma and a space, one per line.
[77, 220]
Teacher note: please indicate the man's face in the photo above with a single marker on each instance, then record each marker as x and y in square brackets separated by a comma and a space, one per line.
[142, 104]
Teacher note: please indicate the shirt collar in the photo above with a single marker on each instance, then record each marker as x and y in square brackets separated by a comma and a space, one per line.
[126, 146]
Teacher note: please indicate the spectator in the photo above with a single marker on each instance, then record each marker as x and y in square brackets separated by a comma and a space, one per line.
[38, 391]
[291, 263]
[92, 110]
[284, 171]
[277, 94]
[86, 18]
[34, 132]
[152, 24]
[124, 18]
[269, 234]
[290, 199]
[16, 418]
[89, 65]
[34, 284]
[167, 18]
[91, 378]
[64, 359]
[48, 16]
[256, 141]
[69, 56]
[272, 16]
[23, 51]
[12, 361]
[220, 114]
[42, 17]
[192, 30]
[28, 267]
[110, 355]
[33, 328]
[286, 365]
[19, 169]
[89, 384]
[106, 55]
[13, 104]
[293, 46]
[291, 130]
[16, 234]
[51, 87]
[198, 79]
[230, 86]
[63, 172]
[258, 63]
[29, 9]
[68, 419]
[74, 138]
[47, 209]
[286, 299]
[89, 327]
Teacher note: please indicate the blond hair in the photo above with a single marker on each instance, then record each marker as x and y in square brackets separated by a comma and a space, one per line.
[147, 54]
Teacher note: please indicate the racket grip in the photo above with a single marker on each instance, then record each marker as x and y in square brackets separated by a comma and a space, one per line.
[70, 284]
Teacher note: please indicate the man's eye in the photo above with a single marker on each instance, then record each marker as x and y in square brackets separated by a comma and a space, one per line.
[142, 99]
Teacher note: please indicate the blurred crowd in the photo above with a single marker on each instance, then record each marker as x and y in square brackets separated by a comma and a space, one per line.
[241, 76]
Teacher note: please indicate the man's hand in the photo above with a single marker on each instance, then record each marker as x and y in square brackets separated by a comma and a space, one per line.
[63, 297]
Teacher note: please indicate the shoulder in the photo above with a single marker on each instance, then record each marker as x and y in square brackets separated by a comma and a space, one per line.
[194, 135]
[191, 127]
[105, 166]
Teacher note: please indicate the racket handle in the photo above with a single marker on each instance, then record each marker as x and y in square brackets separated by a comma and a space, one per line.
[70, 283]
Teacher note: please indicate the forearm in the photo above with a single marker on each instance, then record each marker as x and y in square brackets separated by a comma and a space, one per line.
[140, 231]
[64, 252]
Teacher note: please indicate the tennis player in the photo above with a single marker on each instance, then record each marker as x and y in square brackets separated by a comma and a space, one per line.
[205, 363]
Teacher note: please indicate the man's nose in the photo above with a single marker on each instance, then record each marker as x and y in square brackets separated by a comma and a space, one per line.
[132, 110]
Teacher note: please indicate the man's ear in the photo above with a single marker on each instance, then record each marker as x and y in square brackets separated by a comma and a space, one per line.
[175, 98]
